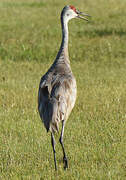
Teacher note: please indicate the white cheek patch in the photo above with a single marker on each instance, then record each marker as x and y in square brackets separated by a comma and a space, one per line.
[70, 14]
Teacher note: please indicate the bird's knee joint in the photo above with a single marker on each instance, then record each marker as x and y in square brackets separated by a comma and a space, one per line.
[60, 140]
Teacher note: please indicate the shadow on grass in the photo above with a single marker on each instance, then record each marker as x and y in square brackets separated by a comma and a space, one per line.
[102, 33]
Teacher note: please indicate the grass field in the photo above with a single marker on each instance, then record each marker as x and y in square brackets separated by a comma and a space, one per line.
[95, 134]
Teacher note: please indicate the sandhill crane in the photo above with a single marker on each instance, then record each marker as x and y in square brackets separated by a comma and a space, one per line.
[57, 89]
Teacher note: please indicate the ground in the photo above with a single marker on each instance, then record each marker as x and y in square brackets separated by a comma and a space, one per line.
[94, 139]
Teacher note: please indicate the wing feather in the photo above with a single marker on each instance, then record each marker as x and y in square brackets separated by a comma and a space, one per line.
[53, 101]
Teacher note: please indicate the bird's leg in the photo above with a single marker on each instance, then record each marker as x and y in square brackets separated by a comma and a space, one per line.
[54, 152]
[61, 142]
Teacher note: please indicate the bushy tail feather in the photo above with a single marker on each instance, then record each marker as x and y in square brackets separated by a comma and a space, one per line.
[51, 117]
[54, 124]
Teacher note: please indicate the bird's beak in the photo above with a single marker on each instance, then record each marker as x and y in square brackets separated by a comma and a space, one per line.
[81, 14]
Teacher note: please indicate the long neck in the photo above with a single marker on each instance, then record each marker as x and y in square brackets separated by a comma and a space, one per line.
[64, 44]
[63, 51]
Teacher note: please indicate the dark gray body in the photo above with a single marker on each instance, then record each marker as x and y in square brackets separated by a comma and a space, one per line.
[57, 94]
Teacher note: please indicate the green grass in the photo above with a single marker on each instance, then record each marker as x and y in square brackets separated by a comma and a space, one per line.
[95, 134]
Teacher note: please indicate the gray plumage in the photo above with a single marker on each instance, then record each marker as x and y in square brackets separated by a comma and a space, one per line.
[57, 89]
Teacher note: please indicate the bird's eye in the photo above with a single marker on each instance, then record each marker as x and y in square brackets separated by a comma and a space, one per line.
[67, 14]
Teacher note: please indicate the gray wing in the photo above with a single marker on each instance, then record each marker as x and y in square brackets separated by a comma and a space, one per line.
[52, 101]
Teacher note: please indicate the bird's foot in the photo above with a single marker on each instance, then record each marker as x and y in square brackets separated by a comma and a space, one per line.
[65, 163]
[55, 168]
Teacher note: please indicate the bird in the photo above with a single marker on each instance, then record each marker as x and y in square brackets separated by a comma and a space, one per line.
[57, 89]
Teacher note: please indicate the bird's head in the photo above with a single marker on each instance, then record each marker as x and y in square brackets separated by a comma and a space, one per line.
[70, 12]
